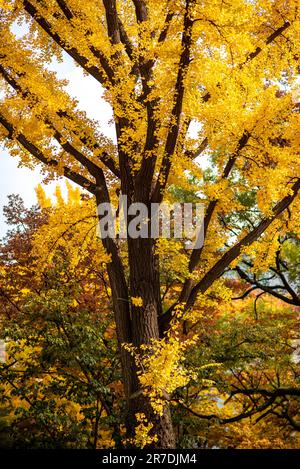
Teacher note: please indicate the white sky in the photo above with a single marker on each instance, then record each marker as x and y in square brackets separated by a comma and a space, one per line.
[15, 180]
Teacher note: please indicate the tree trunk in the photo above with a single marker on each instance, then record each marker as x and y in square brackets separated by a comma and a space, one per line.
[137, 325]
[145, 283]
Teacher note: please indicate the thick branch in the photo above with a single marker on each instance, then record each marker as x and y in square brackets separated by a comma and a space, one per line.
[173, 133]
[65, 9]
[195, 257]
[196, 254]
[96, 72]
[268, 41]
[129, 48]
[104, 158]
[141, 10]
[217, 270]
[112, 21]
[144, 177]
[38, 154]
[200, 149]
[80, 157]
[164, 32]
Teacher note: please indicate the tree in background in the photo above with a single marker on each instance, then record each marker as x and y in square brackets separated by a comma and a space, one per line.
[250, 397]
[61, 380]
[165, 68]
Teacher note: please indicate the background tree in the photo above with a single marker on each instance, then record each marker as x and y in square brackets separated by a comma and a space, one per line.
[250, 397]
[219, 66]
[61, 379]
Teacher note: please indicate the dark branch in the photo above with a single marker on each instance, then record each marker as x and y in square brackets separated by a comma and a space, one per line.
[65, 9]
[217, 270]
[196, 254]
[236, 418]
[278, 392]
[195, 153]
[267, 288]
[112, 21]
[164, 32]
[206, 97]
[96, 72]
[268, 41]
[104, 158]
[38, 154]
[141, 10]
[173, 133]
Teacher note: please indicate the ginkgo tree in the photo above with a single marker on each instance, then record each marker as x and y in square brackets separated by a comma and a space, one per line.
[227, 69]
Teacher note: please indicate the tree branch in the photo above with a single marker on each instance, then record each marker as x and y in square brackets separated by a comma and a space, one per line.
[112, 21]
[65, 9]
[228, 420]
[195, 153]
[268, 289]
[129, 48]
[38, 154]
[141, 10]
[268, 41]
[217, 270]
[96, 72]
[104, 158]
[206, 97]
[278, 392]
[196, 254]
[173, 133]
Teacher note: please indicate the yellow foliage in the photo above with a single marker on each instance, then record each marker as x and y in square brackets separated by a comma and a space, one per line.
[137, 301]
[161, 368]
[43, 201]
[142, 430]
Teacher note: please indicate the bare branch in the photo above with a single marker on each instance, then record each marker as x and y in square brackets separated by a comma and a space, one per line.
[267, 288]
[220, 420]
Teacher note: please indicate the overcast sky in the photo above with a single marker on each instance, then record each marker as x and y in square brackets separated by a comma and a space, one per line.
[15, 180]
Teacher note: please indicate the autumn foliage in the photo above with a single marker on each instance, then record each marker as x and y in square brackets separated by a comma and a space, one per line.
[143, 342]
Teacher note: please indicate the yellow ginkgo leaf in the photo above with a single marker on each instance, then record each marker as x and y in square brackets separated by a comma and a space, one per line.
[137, 301]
